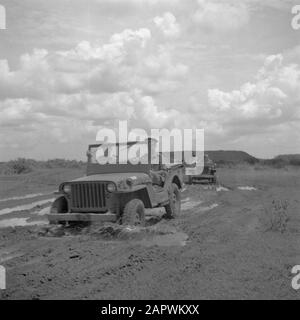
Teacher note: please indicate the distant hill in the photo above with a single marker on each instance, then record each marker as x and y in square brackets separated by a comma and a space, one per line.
[224, 156]
[235, 157]
[220, 157]
[284, 159]
[288, 157]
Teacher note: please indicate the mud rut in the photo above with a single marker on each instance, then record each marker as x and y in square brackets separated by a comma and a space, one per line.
[215, 249]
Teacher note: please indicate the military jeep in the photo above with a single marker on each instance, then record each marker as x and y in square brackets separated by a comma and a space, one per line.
[207, 175]
[119, 192]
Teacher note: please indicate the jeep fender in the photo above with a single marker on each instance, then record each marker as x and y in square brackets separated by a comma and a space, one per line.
[142, 192]
[177, 181]
[60, 205]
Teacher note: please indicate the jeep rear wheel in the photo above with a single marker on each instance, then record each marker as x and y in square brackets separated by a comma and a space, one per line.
[134, 213]
[174, 206]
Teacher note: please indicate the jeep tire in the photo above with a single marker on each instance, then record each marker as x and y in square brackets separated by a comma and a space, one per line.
[134, 213]
[174, 206]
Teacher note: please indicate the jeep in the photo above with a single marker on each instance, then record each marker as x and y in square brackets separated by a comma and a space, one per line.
[119, 192]
[208, 174]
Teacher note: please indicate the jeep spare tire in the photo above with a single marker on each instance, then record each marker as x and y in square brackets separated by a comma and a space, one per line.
[174, 206]
[134, 213]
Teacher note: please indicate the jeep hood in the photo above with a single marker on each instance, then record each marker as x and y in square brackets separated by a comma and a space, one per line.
[115, 177]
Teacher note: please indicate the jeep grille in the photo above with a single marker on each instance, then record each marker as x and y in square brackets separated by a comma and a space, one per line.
[88, 197]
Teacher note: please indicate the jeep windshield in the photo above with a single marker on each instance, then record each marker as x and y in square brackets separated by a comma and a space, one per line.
[134, 152]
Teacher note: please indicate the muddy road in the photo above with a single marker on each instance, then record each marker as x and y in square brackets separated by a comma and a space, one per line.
[238, 240]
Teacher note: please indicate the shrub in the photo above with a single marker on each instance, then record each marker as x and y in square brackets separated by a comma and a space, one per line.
[18, 166]
[21, 166]
[295, 162]
[276, 216]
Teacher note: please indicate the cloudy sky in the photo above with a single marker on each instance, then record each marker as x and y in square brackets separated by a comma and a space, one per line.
[69, 67]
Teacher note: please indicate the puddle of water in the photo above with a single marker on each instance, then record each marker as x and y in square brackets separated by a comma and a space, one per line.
[214, 205]
[44, 211]
[166, 240]
[28, 196]
[246, 188]
[20, 222]
[190, 205]
[221, 188]
[25, 206]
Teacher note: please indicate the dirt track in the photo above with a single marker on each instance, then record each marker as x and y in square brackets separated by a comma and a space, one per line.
[209, 252]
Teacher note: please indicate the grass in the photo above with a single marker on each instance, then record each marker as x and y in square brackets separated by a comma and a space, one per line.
[26, 176]
[275, 202]
[38, 181]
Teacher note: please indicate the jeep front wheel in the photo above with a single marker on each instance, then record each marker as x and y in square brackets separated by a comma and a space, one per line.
[134, 213]
[174, 206]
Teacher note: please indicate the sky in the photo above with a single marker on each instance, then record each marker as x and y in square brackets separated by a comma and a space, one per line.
[71, 67]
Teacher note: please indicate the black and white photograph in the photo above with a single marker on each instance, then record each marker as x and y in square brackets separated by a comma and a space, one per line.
[149, 151]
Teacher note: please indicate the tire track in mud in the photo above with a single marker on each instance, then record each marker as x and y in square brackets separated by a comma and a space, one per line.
[25, 214]
[28, 196]
[224, 256]
[25, 207]
[18, 211]
[132, 254]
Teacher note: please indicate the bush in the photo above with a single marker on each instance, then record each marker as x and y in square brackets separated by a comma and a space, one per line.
[61, 163]
[276, 216]
[22, 166]
[295, 162]
[18, 166]
[252, 161]
[276, 163]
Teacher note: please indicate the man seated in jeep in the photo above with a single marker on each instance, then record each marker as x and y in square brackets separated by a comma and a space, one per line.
[159, 163]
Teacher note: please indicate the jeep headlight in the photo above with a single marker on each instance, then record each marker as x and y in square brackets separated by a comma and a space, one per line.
[111, 187]
[66, 188]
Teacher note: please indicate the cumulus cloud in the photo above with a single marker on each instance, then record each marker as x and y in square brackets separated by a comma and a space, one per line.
[119, 46]
[271, 100]
[167, 24]
[127, 61]
[72, 117]
[154, 73]
[51, 93]
[134, 106]
[221, 15]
